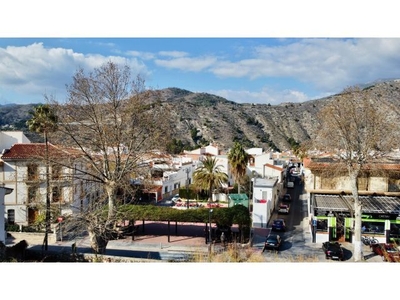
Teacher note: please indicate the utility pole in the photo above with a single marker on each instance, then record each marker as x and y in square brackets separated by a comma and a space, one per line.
[46, 235]
[187, 187]
[209, 235]
[253, 175]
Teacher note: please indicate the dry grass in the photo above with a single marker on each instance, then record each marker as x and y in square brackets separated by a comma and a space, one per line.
[236, 254]
[293, 258]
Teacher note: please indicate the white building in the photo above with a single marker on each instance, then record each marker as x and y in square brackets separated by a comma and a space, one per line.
[9, 138]
[254, 151]
[172, 180]
[23, 169]
[210, 150]
[265, 199]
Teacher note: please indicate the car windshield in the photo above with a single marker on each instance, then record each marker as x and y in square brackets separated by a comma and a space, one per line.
[272, 239]
[277, 222]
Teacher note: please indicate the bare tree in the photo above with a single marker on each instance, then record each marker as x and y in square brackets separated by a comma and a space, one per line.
[114, 122]
[357, 127]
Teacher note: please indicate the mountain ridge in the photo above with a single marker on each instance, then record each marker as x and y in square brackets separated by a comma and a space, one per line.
[202, 118]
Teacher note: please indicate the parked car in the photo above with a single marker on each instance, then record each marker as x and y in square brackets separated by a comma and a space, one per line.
[388, 252]
[175, 198]
[165, 203]
[278, 225]
[287, 197]
[273, 241]
[283, 209]
[333, 250]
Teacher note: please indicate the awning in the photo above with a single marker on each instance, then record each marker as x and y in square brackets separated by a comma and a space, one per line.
[370, 203]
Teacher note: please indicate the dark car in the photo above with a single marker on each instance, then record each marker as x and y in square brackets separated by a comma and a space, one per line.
[388, 252]
[278, 225]
[273, 241]
[333, 250]
[287, 197]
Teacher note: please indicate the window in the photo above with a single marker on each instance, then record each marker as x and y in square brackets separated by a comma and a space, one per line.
[55, 172]
[363, 183]
[322, 225]
[32, 194]
[395, 231]
[11, 216]
[33, 172]
[373, 227]
[393, 185]
[56, 193]
[251, 161]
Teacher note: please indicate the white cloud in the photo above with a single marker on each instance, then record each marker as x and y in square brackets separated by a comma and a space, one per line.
[175, 54]
[142, 55]
[265, 96]
[323, 65]
[328, 64]
[34, 70]
[187, 64]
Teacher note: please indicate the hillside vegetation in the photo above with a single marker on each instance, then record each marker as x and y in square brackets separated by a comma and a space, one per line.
[201, 118]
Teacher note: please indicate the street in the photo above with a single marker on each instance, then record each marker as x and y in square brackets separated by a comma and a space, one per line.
[297, 245]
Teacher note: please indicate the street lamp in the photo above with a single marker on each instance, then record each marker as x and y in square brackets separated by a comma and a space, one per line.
[209, 232]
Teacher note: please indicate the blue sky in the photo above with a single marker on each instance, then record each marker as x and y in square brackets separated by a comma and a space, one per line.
[253, 67]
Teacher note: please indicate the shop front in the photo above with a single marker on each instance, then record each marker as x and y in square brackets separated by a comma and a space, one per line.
[333, 218]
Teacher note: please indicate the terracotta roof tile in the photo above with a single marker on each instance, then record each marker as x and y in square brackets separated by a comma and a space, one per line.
[34, 150]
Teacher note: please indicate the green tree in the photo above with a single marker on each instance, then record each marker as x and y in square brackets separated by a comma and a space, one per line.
[44, 121]
[238, 159]
[209, 176]
[358, 128]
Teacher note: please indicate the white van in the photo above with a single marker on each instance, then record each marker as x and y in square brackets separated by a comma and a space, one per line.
[290, 184]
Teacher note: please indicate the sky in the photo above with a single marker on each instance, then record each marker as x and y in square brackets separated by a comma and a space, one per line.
[264, 62]
[245, 51]
[244, 70]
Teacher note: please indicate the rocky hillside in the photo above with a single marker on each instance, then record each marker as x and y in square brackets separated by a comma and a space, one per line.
[215, 119]
[201, 118]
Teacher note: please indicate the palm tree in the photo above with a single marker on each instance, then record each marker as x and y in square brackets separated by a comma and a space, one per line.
[209, 176]
[238, 159]
[44, 121]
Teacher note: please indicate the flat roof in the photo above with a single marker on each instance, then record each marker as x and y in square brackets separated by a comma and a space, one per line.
[370, 203]
[237, 197]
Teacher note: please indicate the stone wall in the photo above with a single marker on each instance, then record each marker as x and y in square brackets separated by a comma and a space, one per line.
[33, 238]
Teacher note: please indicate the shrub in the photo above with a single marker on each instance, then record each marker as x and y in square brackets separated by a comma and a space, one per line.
[12, 227]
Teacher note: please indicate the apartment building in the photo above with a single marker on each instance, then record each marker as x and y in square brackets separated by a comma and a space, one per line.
[330, 201]
[23, 168]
